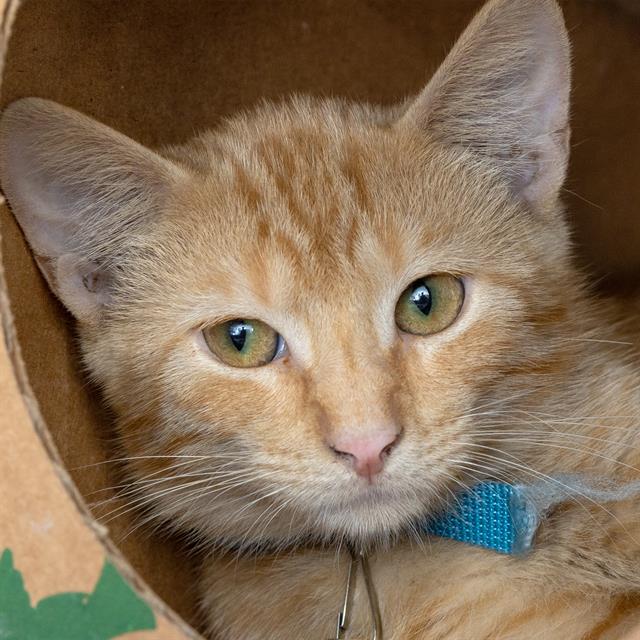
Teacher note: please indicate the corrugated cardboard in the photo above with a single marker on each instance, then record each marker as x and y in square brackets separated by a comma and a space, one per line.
[46, 532]
[160, 69]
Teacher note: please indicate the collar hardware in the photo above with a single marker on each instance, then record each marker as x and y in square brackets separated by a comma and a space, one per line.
[359, 561]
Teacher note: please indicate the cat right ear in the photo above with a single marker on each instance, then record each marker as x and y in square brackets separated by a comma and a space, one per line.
[503, 94]
[80, 191]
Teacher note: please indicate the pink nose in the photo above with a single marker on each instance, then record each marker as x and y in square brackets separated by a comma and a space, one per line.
[367, 454]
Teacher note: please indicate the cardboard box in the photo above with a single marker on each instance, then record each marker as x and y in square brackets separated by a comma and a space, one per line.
[158, 70]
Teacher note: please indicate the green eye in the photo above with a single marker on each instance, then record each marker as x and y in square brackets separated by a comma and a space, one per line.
[243, 343]
[430, 304]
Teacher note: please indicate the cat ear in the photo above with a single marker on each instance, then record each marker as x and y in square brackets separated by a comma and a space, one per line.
[80, 191]
[503, 93]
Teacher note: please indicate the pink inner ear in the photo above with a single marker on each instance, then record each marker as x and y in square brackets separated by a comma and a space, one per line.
[95, 279]
[503, 92]
[84, 287]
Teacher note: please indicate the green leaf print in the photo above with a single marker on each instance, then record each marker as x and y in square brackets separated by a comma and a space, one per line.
[113, 609]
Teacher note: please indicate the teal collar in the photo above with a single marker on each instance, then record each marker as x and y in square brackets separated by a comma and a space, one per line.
[505, 517]
[494, 515]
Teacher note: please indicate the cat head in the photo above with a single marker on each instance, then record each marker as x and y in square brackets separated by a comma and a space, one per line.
[304, 319]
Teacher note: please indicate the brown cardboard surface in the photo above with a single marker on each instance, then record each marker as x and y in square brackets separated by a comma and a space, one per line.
[56, 545]
[53, 547]
[160, 69]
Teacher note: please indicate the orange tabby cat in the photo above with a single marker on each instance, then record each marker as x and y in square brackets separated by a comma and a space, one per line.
[319, 321]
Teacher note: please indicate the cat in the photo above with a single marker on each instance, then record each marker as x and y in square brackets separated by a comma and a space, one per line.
[319, 321]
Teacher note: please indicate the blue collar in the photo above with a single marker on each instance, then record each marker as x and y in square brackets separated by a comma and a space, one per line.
[505, 517]
[493, 515]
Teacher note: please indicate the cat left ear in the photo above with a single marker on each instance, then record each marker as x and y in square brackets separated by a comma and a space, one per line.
[503, 93]
[81, 193]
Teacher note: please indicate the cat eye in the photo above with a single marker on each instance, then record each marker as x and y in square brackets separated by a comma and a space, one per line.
[430, 304]
[244, 343]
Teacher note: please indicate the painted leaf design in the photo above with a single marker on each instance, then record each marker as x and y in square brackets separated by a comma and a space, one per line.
[113, 609]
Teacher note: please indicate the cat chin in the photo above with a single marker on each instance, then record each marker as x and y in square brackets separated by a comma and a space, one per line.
[367, 531]
[365, 537]
[364, 524]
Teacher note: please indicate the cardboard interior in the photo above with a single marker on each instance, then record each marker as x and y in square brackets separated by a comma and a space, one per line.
[158, 70]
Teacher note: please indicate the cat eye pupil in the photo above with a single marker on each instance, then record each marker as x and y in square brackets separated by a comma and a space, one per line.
[421, 298]
[238, 332]
[430, 305]
[244, 343]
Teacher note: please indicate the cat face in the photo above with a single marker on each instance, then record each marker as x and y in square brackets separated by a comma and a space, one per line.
[309, 229]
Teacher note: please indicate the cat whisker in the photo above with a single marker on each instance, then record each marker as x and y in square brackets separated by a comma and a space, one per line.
[491, 403]
[136, 487]
[145, 499]
[486, 472]
[147, 480]
[162, 493]
[274, 514]
[600, 341]
[548, 443]
[185, 499]
[548, 419]
[553, 434]
[130, 458]
[585, 200]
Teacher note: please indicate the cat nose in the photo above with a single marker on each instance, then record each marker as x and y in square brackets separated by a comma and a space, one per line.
[367, 454]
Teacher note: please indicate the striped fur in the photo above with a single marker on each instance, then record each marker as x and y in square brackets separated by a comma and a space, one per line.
[313, 216]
